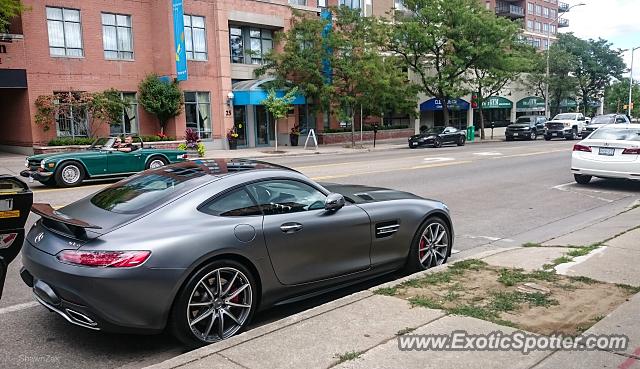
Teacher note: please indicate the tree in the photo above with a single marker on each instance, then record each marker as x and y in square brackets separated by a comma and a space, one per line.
[9, 9]
[279, 106]
[595, 65]
[337, 64]
[616, 97]
[160, 98]
[493, 72]
[441, 40]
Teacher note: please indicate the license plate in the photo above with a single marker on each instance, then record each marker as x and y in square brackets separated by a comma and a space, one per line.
[9, 214]
[521, 134]
[606, 151]
[6, 204]
[555, 134]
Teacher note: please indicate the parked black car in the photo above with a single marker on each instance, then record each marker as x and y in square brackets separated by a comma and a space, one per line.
[601, 120]
[527, 127]
[438, 136]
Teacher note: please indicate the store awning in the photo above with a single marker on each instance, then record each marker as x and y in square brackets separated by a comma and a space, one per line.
[253, 92]
[496, 102]
[13, 78]
[568, 103]
[531, 103]
[436, 104]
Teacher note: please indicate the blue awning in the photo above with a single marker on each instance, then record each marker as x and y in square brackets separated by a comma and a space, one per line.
[436, 104]
[251, 92]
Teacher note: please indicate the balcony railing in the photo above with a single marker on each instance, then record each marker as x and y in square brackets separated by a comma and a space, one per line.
[508, 10]
[563, 7]
[563, 23]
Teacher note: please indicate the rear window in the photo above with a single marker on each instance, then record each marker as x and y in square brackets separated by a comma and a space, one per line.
[616, 134]
[523, 120]
[142, 192]
[603, 119]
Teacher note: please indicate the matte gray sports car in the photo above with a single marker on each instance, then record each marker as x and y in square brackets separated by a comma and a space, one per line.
[200, 246]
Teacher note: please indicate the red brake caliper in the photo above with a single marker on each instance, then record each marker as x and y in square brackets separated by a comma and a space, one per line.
[422, 249]
[235, 299]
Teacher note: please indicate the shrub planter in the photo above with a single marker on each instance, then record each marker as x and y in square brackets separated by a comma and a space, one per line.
[293, 139]
[233, 144]
[343, 137]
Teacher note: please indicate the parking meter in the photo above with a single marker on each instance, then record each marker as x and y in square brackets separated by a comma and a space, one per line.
[15, 204]
[375, 133]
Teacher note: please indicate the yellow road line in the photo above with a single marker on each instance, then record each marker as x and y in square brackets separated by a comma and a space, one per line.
[441, 164]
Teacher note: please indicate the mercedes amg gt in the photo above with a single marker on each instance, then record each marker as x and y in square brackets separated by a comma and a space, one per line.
[200, 246]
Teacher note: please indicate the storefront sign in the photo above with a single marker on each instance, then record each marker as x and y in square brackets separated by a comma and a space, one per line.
[496, 102]
[436, 104]
[531, 103]
[568, 103]
[178, 37]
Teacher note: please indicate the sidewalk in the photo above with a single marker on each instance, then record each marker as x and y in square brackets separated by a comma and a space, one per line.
[361, 330]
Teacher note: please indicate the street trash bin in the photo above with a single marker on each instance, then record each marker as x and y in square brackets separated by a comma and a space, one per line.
[471, 133]
[15, 204]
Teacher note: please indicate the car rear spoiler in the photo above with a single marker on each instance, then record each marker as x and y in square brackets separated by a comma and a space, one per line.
[61, 223]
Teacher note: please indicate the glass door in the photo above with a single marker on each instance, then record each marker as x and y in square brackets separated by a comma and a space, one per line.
[240, 124]
[264, 123]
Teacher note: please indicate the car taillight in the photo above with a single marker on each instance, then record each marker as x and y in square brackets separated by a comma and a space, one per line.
[583, 148]
[632, 151]
[183, 156]
[104, 259]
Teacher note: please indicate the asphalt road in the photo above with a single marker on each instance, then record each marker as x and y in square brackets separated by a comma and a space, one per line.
[504, 192]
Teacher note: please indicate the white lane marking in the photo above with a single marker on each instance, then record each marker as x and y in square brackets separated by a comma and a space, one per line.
[487, 153]
[563, 188]
[489, 238]
[437, 160]
[18, 307]
[566, 267]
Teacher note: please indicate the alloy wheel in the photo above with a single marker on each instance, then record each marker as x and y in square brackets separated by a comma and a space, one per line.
[219, 304]
[71, 174]
[434, 245]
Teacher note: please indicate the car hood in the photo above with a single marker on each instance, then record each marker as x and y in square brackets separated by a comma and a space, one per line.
[519, 125]
[423, 135]
[562, 121]
[361, 194]
[61, 155]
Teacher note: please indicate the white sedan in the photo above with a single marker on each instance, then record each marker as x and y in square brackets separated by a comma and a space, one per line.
[610, 152]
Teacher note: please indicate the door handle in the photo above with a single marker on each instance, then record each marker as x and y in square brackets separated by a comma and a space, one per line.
[290, 227]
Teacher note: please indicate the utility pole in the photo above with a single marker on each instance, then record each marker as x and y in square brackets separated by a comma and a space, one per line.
[631, 81]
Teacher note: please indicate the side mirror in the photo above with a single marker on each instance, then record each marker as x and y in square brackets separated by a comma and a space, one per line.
[334, 202]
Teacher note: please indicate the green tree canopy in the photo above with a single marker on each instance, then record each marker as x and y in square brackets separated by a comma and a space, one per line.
[160, 98]
[441, 40]
[279, 106]
[616, 97]
[9, 9]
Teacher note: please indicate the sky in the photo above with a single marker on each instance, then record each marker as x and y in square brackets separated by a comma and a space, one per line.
[617, 21]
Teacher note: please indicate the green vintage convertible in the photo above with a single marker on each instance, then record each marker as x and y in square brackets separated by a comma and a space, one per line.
[100, 161]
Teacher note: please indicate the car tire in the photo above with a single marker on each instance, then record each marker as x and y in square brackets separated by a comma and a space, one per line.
[223, 317]
[461, 141]
[49, 182]
[533, 136]
[582, 179]
[69, 174]
[574, 134]
[156, 162]
[413, 146]
[418, 258]
[437, 142]
[547, 138]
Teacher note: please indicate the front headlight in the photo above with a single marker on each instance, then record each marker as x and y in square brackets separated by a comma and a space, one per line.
[26, 163]
[566, 124]
[42, 164]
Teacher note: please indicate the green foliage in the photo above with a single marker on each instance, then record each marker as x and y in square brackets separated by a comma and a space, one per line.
[156, 138]
[201, 149]
[9, 9]
[386, 291]
[616, 96]
[68, 141]
[442, 40]
[347, 356]
[425, 302]
[182, 146]
[279, 106]
[108, 106]
[160, 98]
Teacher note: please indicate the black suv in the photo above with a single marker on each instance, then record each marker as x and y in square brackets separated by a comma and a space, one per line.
[601, 120]
[528, 127]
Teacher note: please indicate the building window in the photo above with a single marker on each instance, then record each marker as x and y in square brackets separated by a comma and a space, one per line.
[546, 44]
[545, 28]
[197, 108]
[399, 5]
[298, 2]
[322, 3]
[353, 4]
[536, 43]
[129, 124]
[530, 25]
[71, 121]
[538, 27]
[195, 37]
[553, 29]
[538, 9]
[545, 12]
[65, 32]
[117, 38]
[530, 8]
[259, 41]
[552, 14]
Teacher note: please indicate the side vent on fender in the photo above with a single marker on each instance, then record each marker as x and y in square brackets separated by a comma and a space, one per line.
[386, 229]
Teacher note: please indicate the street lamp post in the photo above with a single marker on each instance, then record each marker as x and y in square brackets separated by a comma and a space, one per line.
[546, 90]
[631, 81]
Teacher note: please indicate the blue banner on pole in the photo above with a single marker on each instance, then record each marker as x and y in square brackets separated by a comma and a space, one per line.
[178, 37]
[325, 14]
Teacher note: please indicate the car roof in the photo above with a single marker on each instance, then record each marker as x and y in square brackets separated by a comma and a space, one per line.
[222, 167]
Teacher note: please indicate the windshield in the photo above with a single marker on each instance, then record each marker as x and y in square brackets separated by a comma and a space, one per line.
[103, 143]
[523, 120]
[616, 134]
[603, 119]
[433, 130]
[566, 116]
